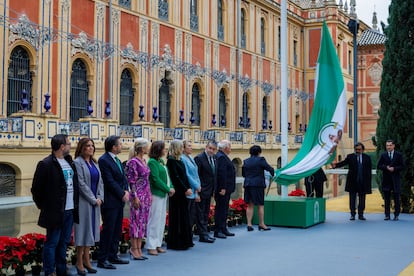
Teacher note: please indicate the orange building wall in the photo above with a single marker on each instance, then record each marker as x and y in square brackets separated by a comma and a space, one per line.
[28, 7]
[198, 50]
[247, 61]
[224, 57]
[314, 42]
[166, 37]
[266, 70]
[130, 30]
[83, 14]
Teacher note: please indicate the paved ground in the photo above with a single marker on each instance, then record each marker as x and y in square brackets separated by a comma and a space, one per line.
[336, 247]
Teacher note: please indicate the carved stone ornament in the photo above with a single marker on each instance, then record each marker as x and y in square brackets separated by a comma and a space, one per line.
[375, 72]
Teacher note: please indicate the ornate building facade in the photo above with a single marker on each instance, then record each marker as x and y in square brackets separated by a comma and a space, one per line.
[182, 69]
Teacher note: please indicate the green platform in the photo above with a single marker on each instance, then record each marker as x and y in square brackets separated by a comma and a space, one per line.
[293, 211]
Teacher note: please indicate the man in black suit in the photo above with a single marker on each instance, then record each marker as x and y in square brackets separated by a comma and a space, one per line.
[314, 183]
[358, 180]
[226, 184]
[391, 163]
[115, 196]
[208, 176]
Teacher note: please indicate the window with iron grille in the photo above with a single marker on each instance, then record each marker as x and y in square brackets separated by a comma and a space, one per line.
[195, 103]
[262, 36]
[194, 15]
[222, 108]
[245, 110]
[264, 113]
[164, 103]
[220, 34]
[243, 28]
[163, 9]
[125, 3]
[7, 181]
[19, 79]
[79, 91]
[126, 101]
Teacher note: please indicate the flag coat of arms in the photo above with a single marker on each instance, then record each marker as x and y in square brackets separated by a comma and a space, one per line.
[327, 118]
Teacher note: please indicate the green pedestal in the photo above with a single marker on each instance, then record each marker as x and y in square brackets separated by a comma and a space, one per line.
[293, 211]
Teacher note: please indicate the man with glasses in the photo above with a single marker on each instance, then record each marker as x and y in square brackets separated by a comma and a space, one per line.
[358, 180]
[55, 192]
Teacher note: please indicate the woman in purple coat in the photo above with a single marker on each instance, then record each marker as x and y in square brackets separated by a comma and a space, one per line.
[137, 173]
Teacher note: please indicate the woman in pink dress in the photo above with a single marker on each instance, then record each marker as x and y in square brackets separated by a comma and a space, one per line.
[137, 173]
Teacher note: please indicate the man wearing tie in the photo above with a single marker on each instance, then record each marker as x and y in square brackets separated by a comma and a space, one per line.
[226, 184]
[358, 180]
[115, 196]
[391, 163]
[208, 177]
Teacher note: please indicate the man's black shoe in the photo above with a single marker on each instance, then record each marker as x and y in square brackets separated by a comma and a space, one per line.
[387, 218]
[352, 218]
[361, 217]
[106, 265]
[118, 260]
[395, 218]
[206, 239]
[228, 234]
[219, 235]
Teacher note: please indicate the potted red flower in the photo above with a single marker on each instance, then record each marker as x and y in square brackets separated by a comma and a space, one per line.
[297, 192]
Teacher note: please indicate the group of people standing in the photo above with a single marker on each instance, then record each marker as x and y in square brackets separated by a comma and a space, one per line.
[83, 191]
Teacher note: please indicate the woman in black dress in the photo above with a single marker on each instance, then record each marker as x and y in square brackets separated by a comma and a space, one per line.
[179, 228]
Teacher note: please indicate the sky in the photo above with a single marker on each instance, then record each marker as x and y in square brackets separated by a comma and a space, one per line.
[365, 9]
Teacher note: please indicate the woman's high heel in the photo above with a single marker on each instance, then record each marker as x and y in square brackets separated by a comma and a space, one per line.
[80, 272]
[261, 228]
[90, 270]
[140, 258]
[250, 228]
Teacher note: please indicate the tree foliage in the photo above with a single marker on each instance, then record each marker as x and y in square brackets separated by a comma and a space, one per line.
[396, 116]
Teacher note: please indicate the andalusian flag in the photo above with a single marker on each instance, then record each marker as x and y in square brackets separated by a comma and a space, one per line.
[327, 118]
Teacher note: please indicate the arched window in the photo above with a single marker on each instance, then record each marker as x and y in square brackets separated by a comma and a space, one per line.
[246, 118]
[243, 28]
[163, 9]
[195, 104]
[126, 101]
[7, 181]
[19, 79]
[164, 103]
[194, 15]
[220, 25]
[264, 113]
[262, 36]
[79, 91]
[222, 108]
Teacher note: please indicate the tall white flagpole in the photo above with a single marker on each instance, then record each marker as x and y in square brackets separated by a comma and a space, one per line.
[283, 95]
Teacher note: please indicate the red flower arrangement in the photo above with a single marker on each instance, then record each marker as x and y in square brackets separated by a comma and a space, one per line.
[297, 192]
[15, 252]
[238, 205]
[125, 230]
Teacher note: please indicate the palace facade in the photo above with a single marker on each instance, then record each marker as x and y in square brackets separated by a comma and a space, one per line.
[165, 70]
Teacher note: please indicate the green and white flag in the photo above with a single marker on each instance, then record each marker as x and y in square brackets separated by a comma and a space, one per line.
[326, 121]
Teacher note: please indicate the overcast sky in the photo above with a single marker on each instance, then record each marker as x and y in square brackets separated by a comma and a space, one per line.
[366, 8]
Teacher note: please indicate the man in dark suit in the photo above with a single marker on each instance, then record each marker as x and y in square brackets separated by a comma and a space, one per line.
[358, 181]
[314, 183]
[115, 196]
[226, 184]
[391, 163]
[208, 177]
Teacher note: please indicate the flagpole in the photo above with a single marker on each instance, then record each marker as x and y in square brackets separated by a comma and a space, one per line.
[283, 96]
